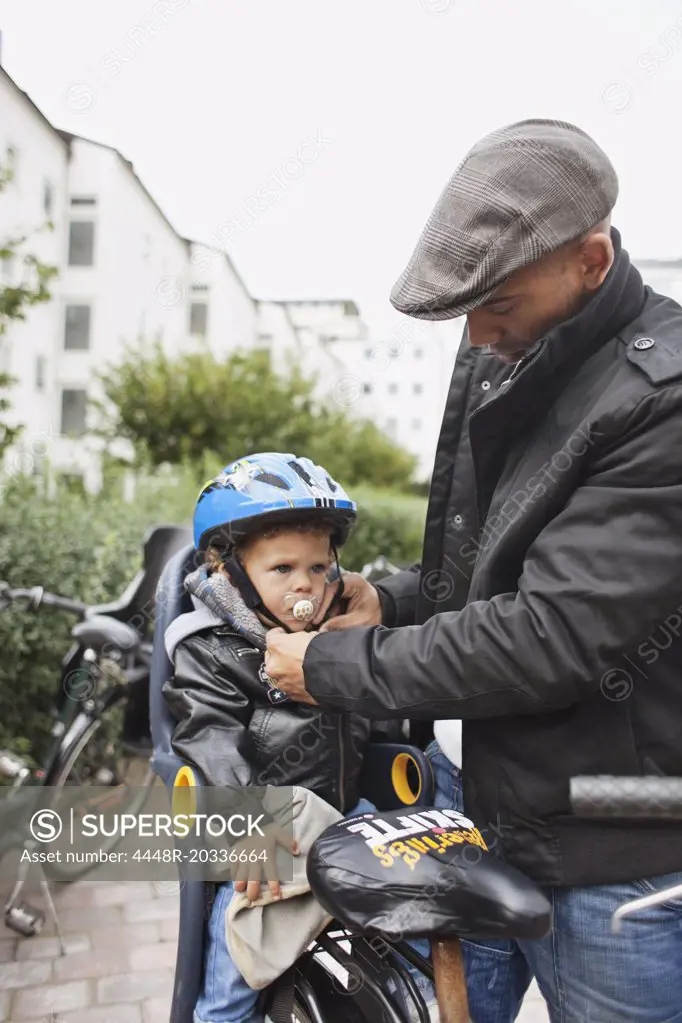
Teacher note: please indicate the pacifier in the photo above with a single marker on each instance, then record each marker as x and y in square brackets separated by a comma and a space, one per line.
[303, 609]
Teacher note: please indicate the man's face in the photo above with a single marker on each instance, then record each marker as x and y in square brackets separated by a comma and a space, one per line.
[289, 562]
[539, 297]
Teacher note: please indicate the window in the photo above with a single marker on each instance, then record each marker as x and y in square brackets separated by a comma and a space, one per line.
[83, 200]
[7, 268]
[198, 319]
[418, 353]
[392, 388]
[81, 243]
[417, 388]
[11, 158]
[367, 388]
[369, 352]
[350, 308]
[48, 198]
[391, 427]
[41, 372]
[73, 412]
[416, 424]
[77, 327]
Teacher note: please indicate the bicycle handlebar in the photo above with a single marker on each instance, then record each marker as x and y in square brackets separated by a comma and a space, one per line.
[646, 797]
[37, 596]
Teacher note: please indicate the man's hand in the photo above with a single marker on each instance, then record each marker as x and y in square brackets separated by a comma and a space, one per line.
[364, 607]
[284, 662]
[256, 861]
[331, 592]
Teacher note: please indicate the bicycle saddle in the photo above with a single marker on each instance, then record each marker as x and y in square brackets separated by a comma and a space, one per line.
[424, 873]
[99, 632]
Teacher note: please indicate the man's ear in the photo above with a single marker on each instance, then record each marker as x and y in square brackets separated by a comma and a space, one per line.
[596, 254]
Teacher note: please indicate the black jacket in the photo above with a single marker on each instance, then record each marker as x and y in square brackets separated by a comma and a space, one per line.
[228, 728]
[548, 606]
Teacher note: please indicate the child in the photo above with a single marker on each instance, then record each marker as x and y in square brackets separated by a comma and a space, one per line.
[269, 527]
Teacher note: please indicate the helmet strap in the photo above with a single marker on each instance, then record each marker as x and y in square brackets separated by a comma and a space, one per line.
[248, 591]
[253, 599]
[331, 610]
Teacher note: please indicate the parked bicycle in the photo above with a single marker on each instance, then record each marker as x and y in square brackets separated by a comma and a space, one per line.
[100, 736]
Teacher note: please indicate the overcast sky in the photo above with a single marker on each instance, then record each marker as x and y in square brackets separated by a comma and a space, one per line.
[211, 98]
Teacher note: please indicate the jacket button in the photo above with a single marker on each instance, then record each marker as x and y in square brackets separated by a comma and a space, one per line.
[458, 520]
[642, 343]
[486, 385]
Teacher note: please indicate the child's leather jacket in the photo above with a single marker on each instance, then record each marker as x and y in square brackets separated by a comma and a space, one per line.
[231, 731]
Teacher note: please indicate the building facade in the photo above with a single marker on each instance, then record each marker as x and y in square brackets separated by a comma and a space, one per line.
[126, 277]
[33, 206]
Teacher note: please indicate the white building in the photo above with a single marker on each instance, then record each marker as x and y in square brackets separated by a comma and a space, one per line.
[221, 310]
[308, 330]
[400, 381]
[38, 158]
[663, 275]
[124, 275]
[120, 284]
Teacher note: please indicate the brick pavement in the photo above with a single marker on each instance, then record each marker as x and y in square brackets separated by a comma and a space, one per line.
[121, 941]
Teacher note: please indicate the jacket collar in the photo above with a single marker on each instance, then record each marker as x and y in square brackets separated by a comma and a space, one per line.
[537, 380]
[216, 602]
[616, 303]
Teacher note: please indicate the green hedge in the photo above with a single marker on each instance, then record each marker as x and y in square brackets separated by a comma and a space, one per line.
[89, 547]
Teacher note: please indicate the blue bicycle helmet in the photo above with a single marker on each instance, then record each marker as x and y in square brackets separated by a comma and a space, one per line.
[268, 489]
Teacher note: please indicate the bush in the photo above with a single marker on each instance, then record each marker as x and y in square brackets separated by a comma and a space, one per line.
[173, 409]
[89, 548]
[85, 548]
[388, 524]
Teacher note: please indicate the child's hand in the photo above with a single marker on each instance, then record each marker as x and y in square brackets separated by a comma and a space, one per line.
[257, 861]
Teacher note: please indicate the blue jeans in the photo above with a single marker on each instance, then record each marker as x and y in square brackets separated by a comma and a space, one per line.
[225, 996]
[585, 973]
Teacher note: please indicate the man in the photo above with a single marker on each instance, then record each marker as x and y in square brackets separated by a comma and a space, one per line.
[552, 558]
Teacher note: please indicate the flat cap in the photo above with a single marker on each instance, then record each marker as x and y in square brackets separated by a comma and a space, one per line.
[519, 194]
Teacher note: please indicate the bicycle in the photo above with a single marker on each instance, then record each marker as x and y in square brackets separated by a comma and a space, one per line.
[100, 736]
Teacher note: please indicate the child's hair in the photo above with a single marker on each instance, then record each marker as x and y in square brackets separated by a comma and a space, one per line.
[315, 525]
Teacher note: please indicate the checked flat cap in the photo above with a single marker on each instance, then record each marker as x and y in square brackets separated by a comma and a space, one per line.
[519, 194]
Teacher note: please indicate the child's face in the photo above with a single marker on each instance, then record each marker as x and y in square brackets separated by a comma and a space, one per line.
[290, 562]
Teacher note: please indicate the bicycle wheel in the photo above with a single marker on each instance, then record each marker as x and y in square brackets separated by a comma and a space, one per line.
[92, 756]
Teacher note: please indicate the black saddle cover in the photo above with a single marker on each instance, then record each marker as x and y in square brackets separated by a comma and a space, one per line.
[413, 873]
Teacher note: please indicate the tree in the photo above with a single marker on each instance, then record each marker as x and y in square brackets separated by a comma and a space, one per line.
[183, 409]
[15, 300]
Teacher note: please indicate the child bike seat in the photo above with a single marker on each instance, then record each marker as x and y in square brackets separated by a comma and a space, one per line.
[426, 873]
